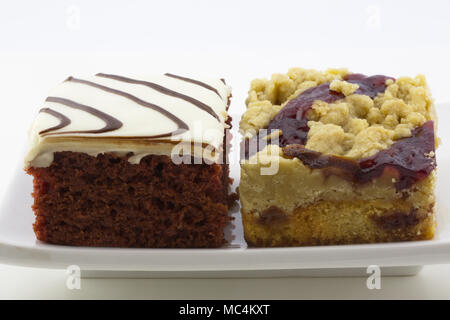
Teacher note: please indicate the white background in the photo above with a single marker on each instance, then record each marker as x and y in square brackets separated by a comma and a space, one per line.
[43, 42]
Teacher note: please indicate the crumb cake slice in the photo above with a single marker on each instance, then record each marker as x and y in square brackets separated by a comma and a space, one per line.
[132, 162]
[337, 158]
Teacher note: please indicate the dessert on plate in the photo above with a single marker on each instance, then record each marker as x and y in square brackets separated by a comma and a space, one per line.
[337, 158]
[122, 161]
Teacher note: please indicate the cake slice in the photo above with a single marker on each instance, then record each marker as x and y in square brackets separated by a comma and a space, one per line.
[122, 161]
[337, 158]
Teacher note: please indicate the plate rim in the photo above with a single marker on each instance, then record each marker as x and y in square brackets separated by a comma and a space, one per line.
[227, 259]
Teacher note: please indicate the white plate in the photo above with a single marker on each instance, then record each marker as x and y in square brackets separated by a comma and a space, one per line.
[19, 246]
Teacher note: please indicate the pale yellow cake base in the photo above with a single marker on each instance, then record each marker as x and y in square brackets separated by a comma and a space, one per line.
[343, 222]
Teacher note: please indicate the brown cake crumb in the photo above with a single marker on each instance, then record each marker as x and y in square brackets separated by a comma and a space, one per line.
[107, 201]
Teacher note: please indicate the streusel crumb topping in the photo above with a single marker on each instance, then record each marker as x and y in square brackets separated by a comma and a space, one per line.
[355, 126]
[267, 97]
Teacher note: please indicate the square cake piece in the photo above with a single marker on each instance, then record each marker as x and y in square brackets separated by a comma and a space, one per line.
[132, 162]
[337, 158]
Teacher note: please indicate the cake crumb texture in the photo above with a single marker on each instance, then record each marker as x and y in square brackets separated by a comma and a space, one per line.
[107, 201]
[339, 222]
[296, 186]
[346, 88]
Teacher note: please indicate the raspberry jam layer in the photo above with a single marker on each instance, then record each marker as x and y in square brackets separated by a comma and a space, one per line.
[408, 160]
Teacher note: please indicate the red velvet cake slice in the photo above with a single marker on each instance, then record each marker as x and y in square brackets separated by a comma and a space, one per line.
[132, 162]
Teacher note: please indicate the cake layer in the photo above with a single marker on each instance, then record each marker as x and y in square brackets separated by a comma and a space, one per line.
[335, 157]
[271, 179]
[105, 200]
[108, 113]
[339, 222]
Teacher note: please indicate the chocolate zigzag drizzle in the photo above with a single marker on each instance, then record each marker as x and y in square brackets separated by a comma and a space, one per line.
[63, 120]
[111, 123]
[163, 90]
[182, 126]
[199, 83]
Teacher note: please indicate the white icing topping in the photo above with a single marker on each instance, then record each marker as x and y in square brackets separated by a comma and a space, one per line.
[138, 122]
